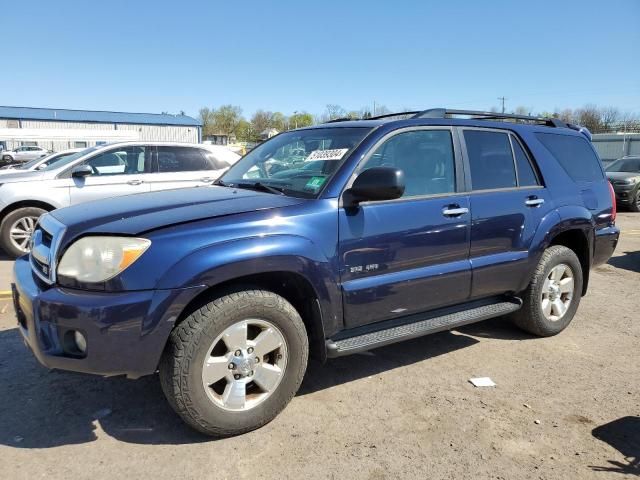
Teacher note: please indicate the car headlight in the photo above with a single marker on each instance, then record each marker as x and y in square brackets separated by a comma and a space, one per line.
[98, 259]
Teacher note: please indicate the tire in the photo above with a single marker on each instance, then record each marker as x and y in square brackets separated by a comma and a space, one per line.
[191, 342]
[531, 317]
[7, 158]
[635, 202]
[22, 217]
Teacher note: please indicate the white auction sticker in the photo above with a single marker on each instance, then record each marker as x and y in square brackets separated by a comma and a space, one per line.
[335, 154]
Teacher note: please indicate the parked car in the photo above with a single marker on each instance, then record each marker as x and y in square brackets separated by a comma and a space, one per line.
[101, 172]
[624, 175]
[412, 226]
[39, 163]
[23, 154]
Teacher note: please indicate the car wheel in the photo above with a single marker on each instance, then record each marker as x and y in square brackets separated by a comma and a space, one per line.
[552, 298]
[232, 365]
[7, 158]
[635, 202]
[16, 230]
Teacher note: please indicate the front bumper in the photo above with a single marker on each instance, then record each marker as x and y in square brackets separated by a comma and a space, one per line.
[625, 193]
[125, 331]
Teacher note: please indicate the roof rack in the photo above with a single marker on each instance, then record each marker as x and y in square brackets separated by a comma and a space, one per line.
[479, 115]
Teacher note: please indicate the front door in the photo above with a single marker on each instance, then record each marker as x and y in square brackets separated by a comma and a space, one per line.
[116, 172]
[508, 202]
[411, 254]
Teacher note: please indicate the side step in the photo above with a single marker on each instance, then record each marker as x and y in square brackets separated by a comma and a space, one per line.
[417, 326]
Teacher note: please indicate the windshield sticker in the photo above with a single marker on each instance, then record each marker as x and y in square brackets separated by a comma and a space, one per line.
[335, 154]
[315, 182]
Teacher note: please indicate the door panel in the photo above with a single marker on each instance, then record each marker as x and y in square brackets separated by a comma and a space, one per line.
[180, 167]
[408, 255]
[116, 172]
[502, 227]
[403, 257]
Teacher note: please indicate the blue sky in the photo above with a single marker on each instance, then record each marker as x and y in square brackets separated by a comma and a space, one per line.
[153, 56]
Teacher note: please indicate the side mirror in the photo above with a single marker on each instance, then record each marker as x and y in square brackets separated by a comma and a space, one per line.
[82, 171]
[42, 166]
[375, 184]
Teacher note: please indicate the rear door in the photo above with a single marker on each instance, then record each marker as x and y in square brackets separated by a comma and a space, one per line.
[411, 254]
[508, 201]
[180, 167]
[120, 171]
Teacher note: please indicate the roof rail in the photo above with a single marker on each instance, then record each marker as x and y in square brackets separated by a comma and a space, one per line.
[397, 114]
[341, 119]
[479, 115]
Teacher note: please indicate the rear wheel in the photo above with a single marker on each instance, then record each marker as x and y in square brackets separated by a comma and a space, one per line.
[234, 364]
[16, 230]
[552, 298]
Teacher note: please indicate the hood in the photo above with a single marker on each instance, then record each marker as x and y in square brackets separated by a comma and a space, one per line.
[13, 176]
[622, 175]
[135, 214]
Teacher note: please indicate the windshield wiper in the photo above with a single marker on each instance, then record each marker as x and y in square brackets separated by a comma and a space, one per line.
[262, 187]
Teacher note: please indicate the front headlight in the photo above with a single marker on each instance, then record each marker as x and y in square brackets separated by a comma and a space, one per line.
[98, 259]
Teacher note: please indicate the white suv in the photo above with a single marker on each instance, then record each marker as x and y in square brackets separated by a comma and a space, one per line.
[102, 172]
[23, 154]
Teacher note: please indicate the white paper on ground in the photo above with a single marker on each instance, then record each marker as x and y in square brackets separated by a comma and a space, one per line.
[482, 382]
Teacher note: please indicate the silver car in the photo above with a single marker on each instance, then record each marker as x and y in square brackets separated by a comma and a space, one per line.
[39, 163]
[23, 154]
[102, 172]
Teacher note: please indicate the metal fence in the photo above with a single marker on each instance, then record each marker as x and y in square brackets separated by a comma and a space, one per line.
[611, 146]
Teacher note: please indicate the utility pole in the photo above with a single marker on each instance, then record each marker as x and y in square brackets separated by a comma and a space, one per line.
[374, 109]
[502, 99]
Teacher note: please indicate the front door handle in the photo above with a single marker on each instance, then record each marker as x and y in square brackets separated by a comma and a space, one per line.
[454, 211]
[534, 201]
[135, 182]
[207, 179]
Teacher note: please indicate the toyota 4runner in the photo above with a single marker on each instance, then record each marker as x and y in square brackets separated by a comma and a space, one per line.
[381, 230]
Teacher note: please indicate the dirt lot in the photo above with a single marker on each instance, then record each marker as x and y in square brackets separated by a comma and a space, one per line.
[565, 407]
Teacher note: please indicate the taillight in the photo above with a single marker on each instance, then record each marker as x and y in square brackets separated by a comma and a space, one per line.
[614, 209]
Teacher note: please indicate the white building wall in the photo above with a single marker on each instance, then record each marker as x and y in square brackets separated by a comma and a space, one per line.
[59, 136]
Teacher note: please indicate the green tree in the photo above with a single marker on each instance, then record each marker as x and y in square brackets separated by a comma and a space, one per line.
[205, 116]
[226, 119]
[300, 119]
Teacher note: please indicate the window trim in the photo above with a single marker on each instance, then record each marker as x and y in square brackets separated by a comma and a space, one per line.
[467, 164]
[534, 167]
[459, 177]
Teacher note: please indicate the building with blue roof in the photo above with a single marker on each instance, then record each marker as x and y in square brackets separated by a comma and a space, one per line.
[60, 129]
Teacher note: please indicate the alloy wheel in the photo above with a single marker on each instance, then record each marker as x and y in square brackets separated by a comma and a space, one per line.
[244, 365]
[557, 292]
[21, 232]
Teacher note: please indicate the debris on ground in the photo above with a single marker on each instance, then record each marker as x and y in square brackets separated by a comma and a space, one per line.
[482, 382]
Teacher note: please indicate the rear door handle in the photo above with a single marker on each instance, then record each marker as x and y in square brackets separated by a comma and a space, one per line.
[534, 202]
[135, 182]
[454, 211]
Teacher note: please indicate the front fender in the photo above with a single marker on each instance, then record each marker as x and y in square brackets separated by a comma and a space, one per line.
[222, 262]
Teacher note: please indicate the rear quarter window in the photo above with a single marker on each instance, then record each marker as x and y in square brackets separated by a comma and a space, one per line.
[574, 154]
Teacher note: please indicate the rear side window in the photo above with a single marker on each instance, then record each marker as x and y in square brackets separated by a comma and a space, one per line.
[574, 154]
[490, 159]
[526, 175]
[180, 159]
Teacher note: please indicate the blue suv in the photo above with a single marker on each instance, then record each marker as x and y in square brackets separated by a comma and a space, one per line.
[327, 241]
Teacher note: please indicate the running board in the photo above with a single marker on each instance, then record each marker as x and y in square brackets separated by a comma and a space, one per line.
[418, 325]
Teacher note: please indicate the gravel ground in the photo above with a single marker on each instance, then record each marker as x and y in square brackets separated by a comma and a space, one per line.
[564, 408]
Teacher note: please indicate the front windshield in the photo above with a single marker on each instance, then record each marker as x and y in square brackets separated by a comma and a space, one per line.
[297, 163]
[69, 159]
[45, 161]
[625, 165]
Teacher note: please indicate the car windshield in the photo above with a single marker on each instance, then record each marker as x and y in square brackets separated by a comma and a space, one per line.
[625, 165]
[297, 163]
[46, 161]
[69, 159]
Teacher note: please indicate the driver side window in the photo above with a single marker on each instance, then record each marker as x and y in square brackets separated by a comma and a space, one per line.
[425, 156]
[122, 161]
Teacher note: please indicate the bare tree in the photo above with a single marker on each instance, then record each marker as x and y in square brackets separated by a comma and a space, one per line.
[609, 116]
[589, 116]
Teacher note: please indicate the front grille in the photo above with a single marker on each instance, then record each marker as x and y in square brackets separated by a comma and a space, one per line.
[44, 243]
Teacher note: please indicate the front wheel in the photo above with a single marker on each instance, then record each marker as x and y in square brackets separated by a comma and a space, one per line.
[232, 365]
[16, 230]
[635, 201]
[552, 298]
